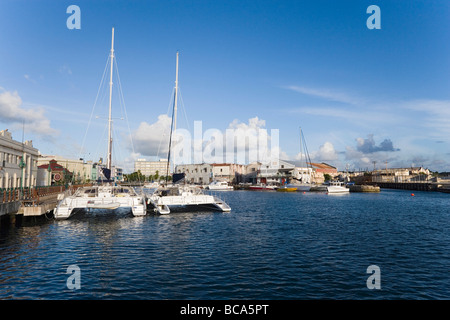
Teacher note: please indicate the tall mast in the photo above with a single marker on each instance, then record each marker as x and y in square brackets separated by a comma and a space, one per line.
[301, 148]
[174, 119]
[176, 98]
[108, 161]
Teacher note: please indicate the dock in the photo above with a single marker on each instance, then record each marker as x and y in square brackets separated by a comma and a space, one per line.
[32, 202]
[417, 186]
[364, 188]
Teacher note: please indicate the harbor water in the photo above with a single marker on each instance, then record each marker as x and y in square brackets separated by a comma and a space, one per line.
[272, 245]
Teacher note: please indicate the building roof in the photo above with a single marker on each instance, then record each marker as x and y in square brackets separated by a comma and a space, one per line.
[54, 166]
[322, 165]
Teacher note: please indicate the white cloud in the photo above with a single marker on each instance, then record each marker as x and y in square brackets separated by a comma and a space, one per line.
[326, 152]
[241, 142]
[253, 123]
[153, 139]
[12, 112]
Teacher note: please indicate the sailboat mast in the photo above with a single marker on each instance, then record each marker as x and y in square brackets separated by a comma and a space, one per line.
[301, 147]
[108, 161]
[176, 99]
[174, 118]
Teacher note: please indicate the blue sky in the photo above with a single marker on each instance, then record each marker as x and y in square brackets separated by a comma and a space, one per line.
[359, 95]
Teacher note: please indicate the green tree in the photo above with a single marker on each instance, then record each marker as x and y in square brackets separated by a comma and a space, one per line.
[327, 177]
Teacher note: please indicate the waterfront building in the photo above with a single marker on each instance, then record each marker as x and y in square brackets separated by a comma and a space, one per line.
[18, 162]
[399, 175]
[324, 168]
[305, 175]
[249, 174]
[205, 173]
[196, 173]
[150, 168]
[53, 174]
[226, 171]
[271, 173]
[279, 172]
[82, 170]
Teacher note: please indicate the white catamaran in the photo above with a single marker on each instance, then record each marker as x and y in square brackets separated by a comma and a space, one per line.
[105, 196]
[178, 196]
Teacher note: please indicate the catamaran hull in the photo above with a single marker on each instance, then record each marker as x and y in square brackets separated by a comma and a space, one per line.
[229, 188]
[168, 204]
[68, 205]
[65, 213]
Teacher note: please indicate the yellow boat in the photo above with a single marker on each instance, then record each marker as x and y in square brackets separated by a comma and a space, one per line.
[287, 189]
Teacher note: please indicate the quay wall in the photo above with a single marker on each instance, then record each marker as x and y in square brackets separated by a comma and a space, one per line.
[418, 186]
[9, 207]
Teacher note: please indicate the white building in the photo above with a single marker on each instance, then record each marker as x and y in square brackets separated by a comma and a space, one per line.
[18, 162]
[149, 168]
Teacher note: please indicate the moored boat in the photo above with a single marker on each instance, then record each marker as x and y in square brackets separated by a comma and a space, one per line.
[104, 196]
[287, 189]
[262, 187]
[337, 187]
[219, 186]
[178, 195]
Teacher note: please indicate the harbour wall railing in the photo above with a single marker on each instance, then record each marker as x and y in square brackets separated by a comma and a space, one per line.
[13, 198]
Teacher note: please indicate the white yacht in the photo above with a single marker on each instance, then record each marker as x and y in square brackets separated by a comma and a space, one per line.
[105, 196]
[183, 198]
[178, 196]
[337, 187]
[219, 186]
